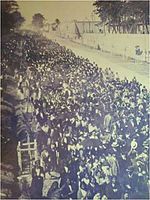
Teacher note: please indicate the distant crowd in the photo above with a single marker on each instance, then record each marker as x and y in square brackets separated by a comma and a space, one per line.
[91, 127]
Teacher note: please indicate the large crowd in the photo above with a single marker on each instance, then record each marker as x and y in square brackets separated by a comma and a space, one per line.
[90, 126]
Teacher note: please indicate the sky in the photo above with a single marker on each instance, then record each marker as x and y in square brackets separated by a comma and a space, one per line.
[63, 10]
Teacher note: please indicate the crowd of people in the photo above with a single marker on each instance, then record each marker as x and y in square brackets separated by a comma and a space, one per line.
[90, 126]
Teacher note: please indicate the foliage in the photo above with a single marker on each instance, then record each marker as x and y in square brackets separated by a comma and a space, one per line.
[117, 12]
[108, 10]
[11, 17]
[38, 20]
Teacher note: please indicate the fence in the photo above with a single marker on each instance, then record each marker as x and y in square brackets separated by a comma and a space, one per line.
[134, 46]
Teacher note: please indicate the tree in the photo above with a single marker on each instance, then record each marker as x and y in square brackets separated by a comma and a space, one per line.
[118, 12]
[11, 17]
[38, 21]
[109, 12]
[17, 19]
[139, 10]
[9, 6]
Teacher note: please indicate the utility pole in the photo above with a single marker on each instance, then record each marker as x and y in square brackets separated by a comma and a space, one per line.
[92, 17]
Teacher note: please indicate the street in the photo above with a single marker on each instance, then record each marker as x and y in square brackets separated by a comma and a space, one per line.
[124, 67]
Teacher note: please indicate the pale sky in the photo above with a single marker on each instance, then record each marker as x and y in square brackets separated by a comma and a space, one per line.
[63, 10]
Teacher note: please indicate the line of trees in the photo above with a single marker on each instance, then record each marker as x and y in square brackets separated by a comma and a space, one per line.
[125, 13]
[11, 18]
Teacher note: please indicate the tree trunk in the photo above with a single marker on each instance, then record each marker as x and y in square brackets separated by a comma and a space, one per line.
[146, 26]
[114, 29]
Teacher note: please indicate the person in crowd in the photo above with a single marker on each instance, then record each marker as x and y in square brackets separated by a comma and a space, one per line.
[37, 181]
[25, 189]
[54, 192]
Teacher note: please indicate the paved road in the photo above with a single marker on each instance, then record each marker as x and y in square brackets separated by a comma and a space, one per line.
[124, 67]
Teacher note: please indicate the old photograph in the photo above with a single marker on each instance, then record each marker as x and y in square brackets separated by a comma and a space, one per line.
[75, 99]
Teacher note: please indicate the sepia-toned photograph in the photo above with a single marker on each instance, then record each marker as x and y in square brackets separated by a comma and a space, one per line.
[75, 99]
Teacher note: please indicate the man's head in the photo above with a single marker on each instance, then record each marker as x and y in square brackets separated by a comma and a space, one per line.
[37, 163]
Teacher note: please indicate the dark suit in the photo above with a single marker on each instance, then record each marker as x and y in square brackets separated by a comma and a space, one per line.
[37, 183]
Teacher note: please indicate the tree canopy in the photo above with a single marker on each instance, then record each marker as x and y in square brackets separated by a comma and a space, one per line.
[118, 12]
[38, 20]
[11, 17]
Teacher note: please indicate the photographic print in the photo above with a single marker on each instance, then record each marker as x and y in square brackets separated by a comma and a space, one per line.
[75, 99]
